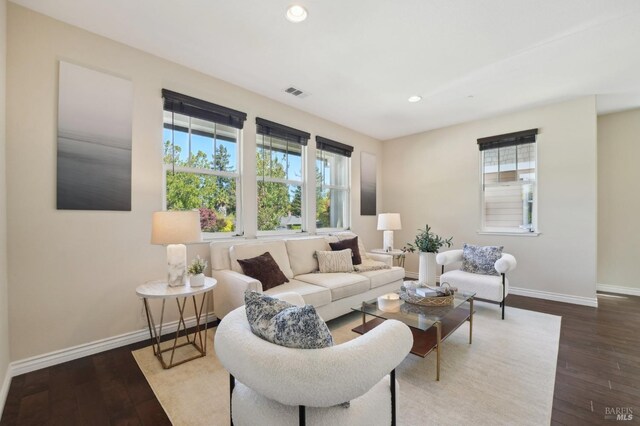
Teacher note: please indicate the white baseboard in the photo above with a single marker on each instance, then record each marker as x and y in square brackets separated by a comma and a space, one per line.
[539, 294]
[618, 289]
[4, 390]
[557, 297]
[58, 357]
[414, 275]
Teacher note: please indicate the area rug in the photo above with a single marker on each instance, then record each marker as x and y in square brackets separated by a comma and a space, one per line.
[505, 377]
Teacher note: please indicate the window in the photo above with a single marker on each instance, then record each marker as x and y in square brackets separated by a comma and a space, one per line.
[280, 172]
[333, 160]
[509, 193]
[201, 160]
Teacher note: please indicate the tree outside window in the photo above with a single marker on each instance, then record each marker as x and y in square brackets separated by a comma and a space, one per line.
[280, 184]
[200, 160]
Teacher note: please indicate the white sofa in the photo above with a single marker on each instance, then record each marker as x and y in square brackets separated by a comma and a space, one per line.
[332, 294]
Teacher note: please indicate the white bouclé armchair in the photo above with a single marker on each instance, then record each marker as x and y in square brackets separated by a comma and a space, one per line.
[275, 385]
[494, 288]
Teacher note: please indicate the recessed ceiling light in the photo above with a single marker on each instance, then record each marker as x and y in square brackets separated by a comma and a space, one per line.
[296, 13]
[415, 98]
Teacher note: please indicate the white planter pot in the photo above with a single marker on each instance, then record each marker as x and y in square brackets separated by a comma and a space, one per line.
[427, 268]
[196, 280]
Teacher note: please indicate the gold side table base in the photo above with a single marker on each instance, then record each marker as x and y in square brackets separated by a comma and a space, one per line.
[196, 339]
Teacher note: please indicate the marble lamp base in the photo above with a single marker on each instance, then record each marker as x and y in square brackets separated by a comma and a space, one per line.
[176, 265]
[387, 240]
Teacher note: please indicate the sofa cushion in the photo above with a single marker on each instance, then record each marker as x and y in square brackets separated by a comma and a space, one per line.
[277, 249]
[264, 269]
[384, 276]
[285, 324]
[485, 286]
[302, 254]
[312, 294]
[341, 284]
[219, 251]
[349, 243]
[480, 259]
[347, 235]
[335, 261]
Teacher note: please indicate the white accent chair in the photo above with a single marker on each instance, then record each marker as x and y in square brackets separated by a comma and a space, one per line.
[493, 288]
[275, 385]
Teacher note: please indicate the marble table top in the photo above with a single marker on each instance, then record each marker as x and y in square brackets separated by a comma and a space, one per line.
[395, 252]
[160, 289]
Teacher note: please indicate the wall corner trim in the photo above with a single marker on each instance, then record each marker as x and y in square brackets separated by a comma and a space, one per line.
[4, 390]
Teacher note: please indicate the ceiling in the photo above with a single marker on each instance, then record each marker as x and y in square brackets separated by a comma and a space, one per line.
[360, 60]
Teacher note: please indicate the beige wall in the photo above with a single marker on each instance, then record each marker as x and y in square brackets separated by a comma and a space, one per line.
[618, 202]
[434, 177]
[75, 271]
[4, 294]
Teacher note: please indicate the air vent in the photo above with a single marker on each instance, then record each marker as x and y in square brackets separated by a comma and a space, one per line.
[296, 92]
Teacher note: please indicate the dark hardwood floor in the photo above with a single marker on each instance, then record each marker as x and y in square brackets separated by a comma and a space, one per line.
[598, 368]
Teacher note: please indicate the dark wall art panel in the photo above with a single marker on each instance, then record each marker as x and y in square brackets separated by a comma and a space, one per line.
[94, 140]
[367, 184]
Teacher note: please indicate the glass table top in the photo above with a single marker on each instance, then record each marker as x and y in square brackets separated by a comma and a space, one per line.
[417, 316]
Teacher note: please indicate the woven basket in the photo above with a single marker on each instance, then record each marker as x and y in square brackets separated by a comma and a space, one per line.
[411, 297]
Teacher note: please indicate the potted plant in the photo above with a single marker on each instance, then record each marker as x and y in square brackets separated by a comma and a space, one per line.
[428, 244]
[196, 270]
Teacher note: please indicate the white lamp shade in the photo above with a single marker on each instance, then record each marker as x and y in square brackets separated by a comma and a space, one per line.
[175, 227]
[389, 222]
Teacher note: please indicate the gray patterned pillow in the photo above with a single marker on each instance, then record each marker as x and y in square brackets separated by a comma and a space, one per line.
[285, 324]
[480, 259]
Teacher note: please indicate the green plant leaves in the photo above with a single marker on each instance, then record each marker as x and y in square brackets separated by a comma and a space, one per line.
[427, 241]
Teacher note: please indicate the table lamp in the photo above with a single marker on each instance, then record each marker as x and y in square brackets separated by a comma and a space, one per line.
[175, 228]
[388, 222]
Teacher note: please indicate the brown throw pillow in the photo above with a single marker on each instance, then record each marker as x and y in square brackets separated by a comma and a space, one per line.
[351, 243]
[264, 269]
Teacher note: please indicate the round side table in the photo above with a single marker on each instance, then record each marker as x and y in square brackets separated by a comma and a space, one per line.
[397, 255]
[198, 339]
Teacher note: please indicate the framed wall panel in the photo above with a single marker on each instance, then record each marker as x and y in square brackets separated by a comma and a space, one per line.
[94, 140]
[368, 184]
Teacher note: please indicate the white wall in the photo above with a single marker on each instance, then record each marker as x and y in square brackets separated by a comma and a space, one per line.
[434, 178]
[4, 294]
[618, 201]
[73, 273]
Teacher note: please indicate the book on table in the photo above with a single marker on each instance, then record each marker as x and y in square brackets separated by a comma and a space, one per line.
[426, 292]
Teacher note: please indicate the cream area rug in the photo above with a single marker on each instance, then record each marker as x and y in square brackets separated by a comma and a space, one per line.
[505, 377]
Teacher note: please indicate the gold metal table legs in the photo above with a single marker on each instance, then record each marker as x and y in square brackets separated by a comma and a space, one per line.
[197, 340]
[438, 325]
[470, 319]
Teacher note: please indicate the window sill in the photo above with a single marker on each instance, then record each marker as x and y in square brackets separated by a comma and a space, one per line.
[212, 236]
[510, 233]
[280, 234]
[331, 231]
